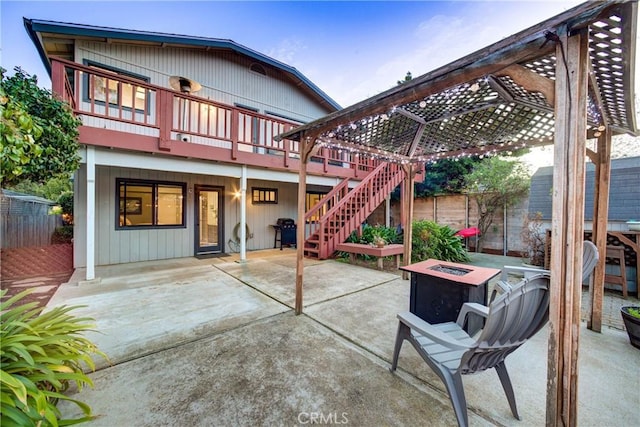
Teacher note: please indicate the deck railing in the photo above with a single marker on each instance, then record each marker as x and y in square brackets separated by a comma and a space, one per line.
[115, 101]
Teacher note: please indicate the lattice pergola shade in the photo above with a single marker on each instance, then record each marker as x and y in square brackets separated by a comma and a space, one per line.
[509, 108]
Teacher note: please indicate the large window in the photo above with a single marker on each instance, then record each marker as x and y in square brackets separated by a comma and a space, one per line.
[313, 198]
[149, 204]
[103, 89]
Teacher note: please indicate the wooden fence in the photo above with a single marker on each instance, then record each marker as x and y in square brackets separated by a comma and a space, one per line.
[19, 231]
[26, 223]
[458, 212]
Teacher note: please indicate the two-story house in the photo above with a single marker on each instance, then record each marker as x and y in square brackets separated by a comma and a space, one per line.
[177, 143]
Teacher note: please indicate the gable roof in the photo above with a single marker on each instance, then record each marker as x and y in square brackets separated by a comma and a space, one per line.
[37, 29]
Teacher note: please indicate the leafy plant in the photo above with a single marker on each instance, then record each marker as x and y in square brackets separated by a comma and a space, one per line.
[66, 203]
[633, 311]
[51, 189]
[533, 238]
[42, 353]
[430, 240]
[370, 233]
[446, 176]
[39, 131]
[496, 184]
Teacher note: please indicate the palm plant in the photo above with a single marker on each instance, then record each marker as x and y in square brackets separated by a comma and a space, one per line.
[41, 355]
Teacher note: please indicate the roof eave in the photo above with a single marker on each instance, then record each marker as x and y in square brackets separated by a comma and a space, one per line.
[35, 26]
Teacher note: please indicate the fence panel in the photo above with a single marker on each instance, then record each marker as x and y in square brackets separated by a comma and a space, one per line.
[28, 230]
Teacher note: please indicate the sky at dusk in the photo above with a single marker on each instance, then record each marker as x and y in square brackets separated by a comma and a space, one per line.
[350, 50]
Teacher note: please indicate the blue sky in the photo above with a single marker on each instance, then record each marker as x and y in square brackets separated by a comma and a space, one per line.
[351, 50]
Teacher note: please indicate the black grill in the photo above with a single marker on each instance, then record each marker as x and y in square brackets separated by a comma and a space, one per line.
[285, 221]
[286, 229]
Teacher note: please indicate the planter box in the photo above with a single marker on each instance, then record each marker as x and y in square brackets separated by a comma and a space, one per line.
[632, 324]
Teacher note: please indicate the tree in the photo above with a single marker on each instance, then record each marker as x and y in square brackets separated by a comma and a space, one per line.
[18, 135]
[445, 176]
[39, 131]
[495, 184]
[407, 78]
[52, 189]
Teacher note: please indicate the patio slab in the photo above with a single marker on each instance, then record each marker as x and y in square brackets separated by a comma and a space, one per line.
[323, 280]
[160, 307]
[192, 344]
[279, 371]
[368, 319]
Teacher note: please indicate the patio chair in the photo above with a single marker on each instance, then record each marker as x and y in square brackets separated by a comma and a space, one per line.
[511, 319]
[589, 261]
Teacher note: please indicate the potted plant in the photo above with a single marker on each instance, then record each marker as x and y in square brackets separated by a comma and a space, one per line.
[379, 241]
[631, 318]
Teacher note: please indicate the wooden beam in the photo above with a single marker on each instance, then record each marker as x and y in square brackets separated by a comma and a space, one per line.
[416, 140]
[410, 115]
[307, 149]
[593, 156]
[407, 213]
[567, 229]
[531, 81]
[441, 79]
[600, 220]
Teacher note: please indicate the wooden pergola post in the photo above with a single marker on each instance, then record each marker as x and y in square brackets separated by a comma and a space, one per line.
[567, 228]
[307, 147]
[602, 161]
[407, 213]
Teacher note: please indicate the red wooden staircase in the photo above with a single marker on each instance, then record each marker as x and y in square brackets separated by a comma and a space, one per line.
[341, 211]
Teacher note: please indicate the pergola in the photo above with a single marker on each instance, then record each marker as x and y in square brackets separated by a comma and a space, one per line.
[561, 82]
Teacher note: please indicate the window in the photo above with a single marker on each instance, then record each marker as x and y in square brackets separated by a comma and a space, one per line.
[115, 92]
[150, 204]
[312, 199]
[264, 196]
[257, 68]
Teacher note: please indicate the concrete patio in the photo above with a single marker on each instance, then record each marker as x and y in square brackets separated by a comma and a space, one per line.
[215, 342]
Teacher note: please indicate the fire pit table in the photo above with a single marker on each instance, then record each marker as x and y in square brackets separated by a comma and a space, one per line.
[439, 288]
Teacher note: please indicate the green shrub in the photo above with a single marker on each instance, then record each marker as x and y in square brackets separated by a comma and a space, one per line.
[430, 240]
[65, 200]
[369, 233]
[63, 234]
[41, 354]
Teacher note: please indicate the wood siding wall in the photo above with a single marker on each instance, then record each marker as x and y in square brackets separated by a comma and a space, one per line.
[225, 76]
[123, 246]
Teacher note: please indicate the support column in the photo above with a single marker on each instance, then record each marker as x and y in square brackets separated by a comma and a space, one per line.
[91, 213]
[243, 214]
[602, 160]
[387, 212]
[306, 151]
[407, 214]
[567, 229]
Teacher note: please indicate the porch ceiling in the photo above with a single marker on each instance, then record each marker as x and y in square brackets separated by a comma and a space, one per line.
[497, 99]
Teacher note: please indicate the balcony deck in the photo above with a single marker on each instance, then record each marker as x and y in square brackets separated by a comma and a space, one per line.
[121, 112]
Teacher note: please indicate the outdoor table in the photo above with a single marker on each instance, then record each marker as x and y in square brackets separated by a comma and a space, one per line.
[440, 288]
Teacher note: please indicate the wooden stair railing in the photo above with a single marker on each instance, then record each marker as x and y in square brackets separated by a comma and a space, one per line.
[346, 213]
